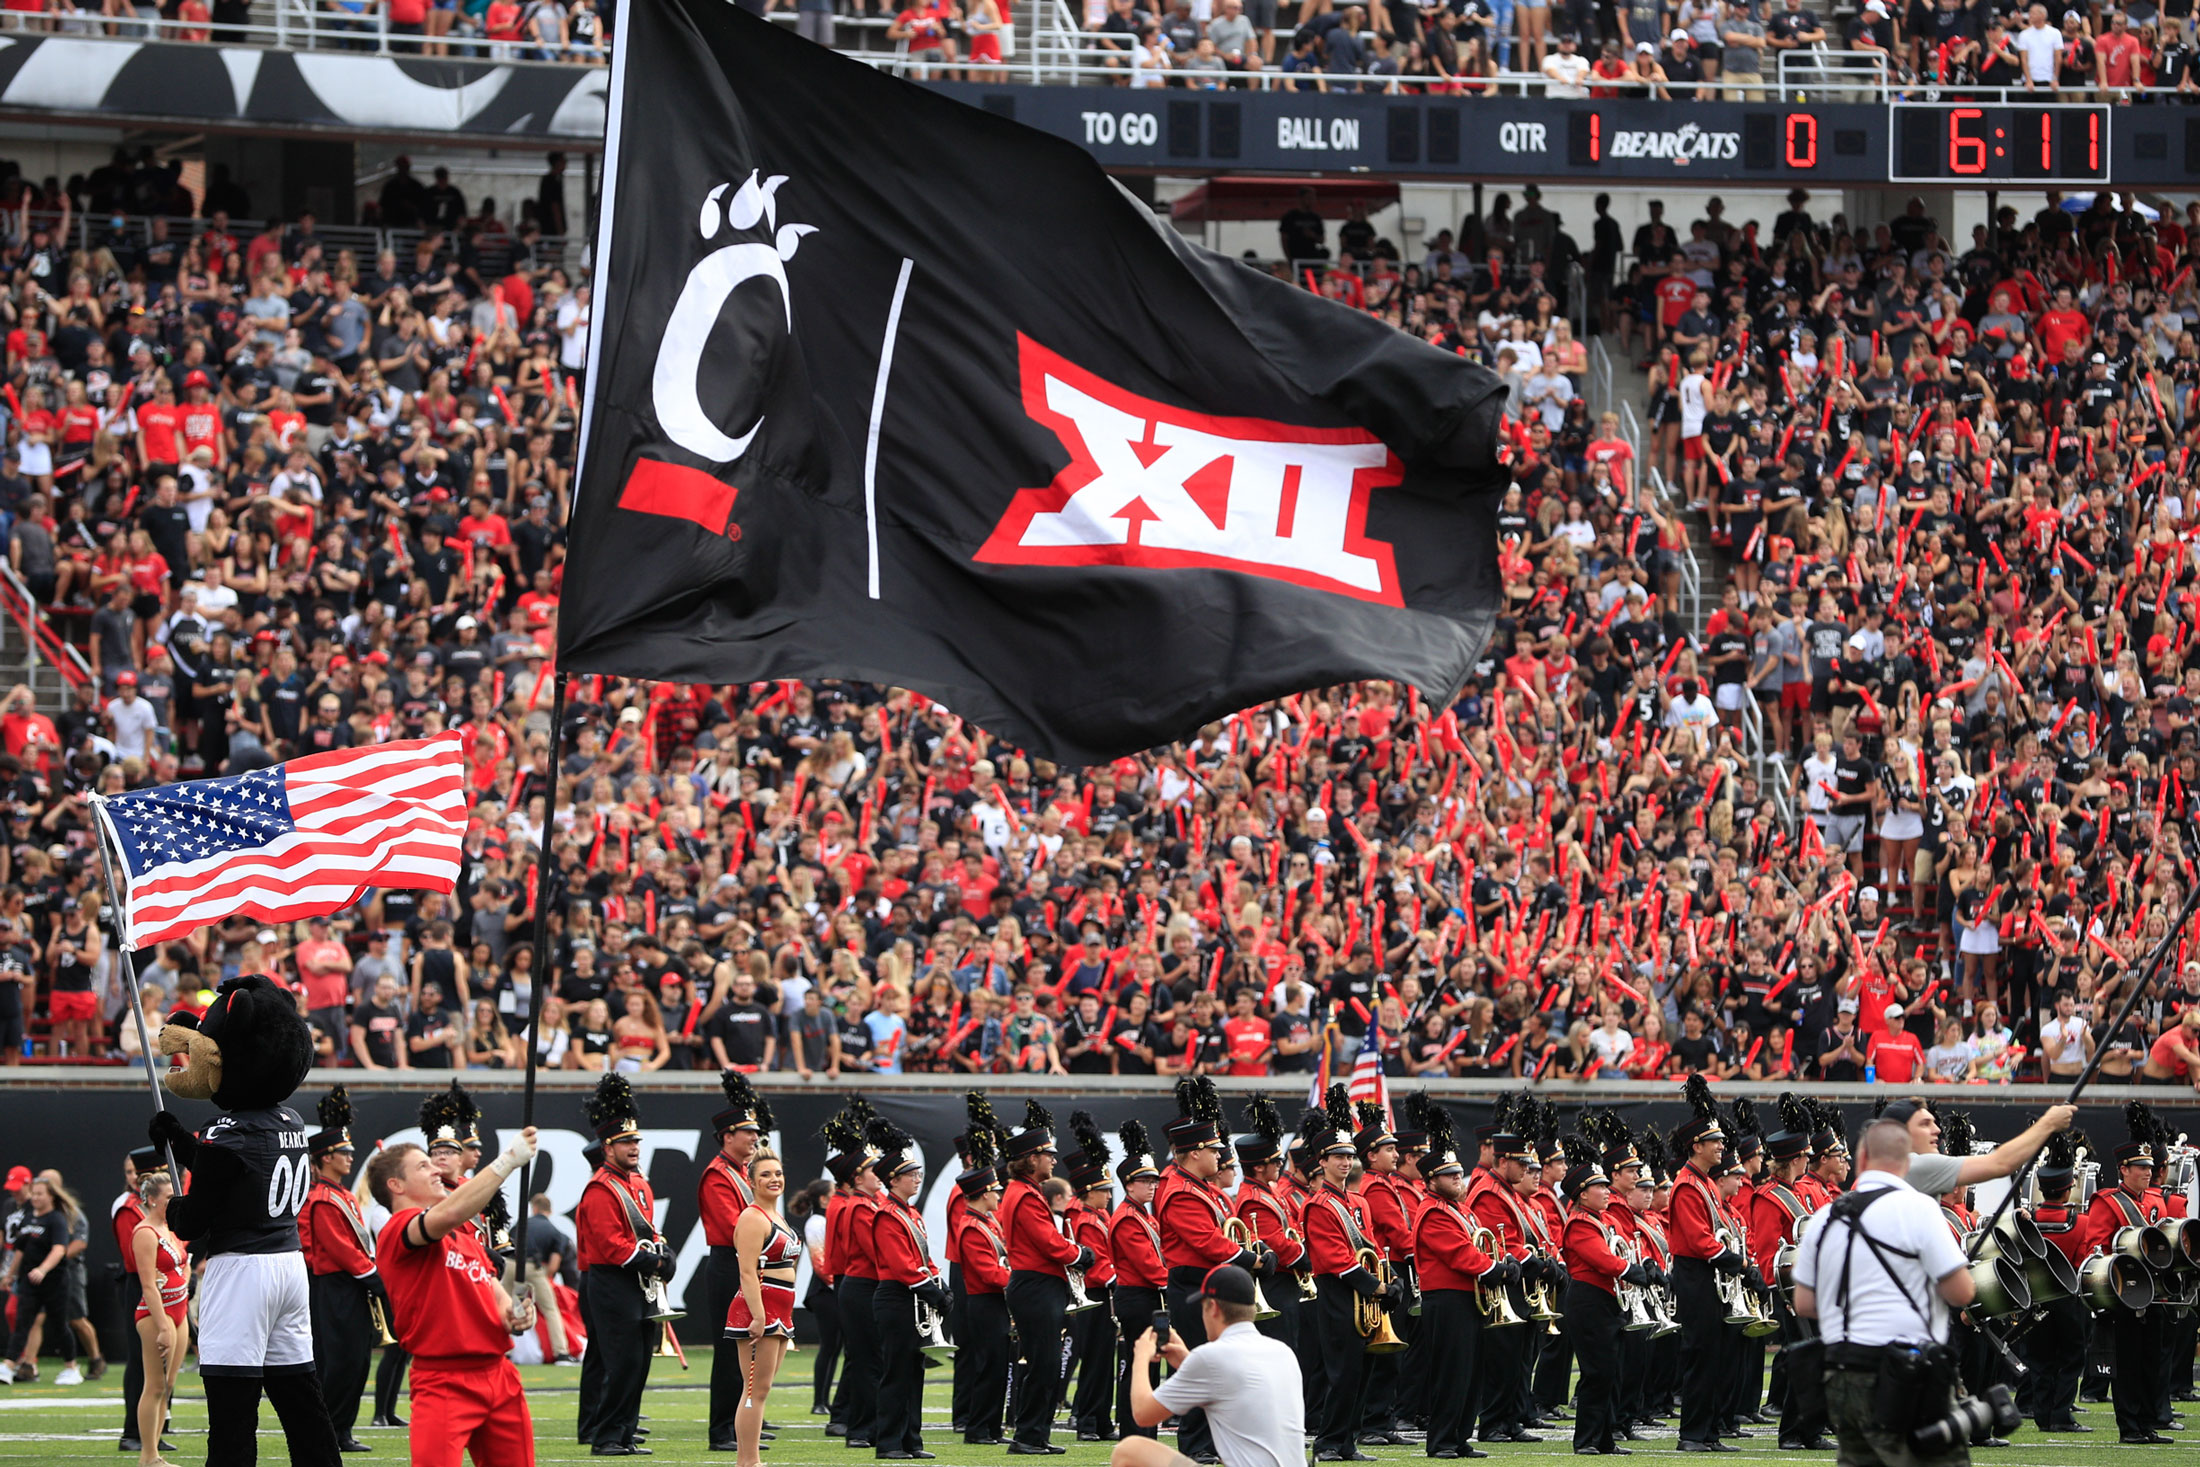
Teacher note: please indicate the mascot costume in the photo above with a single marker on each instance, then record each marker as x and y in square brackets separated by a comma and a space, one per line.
[250, 1174]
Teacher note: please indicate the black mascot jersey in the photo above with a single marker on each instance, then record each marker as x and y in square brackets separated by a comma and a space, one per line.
[259, 1211]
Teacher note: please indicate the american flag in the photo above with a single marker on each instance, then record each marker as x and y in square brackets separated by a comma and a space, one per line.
[1367, 1081]
[291, 841]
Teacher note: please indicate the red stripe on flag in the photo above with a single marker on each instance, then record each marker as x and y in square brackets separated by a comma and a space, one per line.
[678, 493]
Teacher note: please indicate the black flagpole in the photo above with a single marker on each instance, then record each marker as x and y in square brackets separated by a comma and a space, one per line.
[543, 970]
[2144, 976]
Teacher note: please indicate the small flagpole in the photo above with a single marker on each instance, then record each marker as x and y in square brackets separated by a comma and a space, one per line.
[118, 923]
[543, 970]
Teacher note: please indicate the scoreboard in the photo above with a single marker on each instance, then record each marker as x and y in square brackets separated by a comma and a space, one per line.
[1946, 142]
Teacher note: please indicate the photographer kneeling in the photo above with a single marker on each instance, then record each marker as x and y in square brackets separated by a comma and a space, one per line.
[1879, 1271]
[1248, 1384]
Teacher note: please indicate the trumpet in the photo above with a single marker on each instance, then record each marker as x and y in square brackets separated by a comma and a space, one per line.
[1304, 1273]
[1079, 1300]
[1497, 1310]
[932, 1341]
[1240, 1232]
[379, 1313]
[659, 1301]
[1369, 1316]
[1740, 1300]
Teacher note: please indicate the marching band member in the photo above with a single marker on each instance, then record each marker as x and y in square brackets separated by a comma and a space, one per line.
[759, 1322]
[2172, 1324]
[1733, 1407]
[1412, 1149]
[981, 1356]
[1594, 1268]
[1553, 1370]
[1454, 1272]
[452, 1314]
[1141, 1272]
[1661, 1377]
[2137, 1333]
[1092, 1333]
[1746, 1162]
[1777, 1212]
[1038, 1291]
[722, 1196]
[1267, 1217]
[906, 1275]
[340, 1257]
[1336, 1238]
[981, 1122]
[619, 1252]
[1700, 1252]
[1496, 1199]
[848, 1241]
[2055, 1350]
[1389, 1205]
[1623, 1167]
[1191, 1212]
[1302, 1172]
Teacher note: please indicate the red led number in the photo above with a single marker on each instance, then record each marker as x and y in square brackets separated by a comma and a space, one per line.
[1596, 137]
[2047, 143]
[1800, 140]
[1966, 150]
[2093, 142]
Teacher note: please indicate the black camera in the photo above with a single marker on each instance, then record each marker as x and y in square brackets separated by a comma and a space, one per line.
[1994, 1414]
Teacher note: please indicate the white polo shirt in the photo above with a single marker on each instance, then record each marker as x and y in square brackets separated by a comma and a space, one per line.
[1883, 1305]
[1251, 1389]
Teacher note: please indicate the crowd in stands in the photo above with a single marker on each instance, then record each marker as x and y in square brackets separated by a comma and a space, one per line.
[288, 499]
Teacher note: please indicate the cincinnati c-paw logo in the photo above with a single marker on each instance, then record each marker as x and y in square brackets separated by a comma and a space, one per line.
[680, 412]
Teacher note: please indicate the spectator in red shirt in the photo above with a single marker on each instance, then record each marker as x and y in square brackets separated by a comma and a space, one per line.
[1247, 1039]
[1894, 1052]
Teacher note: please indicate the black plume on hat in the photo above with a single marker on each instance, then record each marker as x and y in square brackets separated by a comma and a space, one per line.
[497, 1213]
[983, 1153]
[1206, 1101]
[743, 1096]
[1580, 1149]
[1501, 1114]
[1745, 1116]
[441, 1118]
[1698, 1094]
[843, 1136]
[1267, 1121]
[1037, 1117]
[1089, 1140]
[1338, 1104]
[1316, 1126]
[861, 1111]
[1368, 1114]
[1134, 1138]
[979, 1110]
[884, 1137]
[2139, 1120]
[1955, 1134]
[1417, 1110]
[1440, 1139]
[1794, 1115]
[611, 1103]
[334, 1111]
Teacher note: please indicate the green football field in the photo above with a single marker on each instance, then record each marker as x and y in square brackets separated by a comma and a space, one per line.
[48, 1423]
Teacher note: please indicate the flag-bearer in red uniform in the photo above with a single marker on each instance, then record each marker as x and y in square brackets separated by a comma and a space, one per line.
[1141, 1274]
[907, 1277]
[452, 1315]
[1092, 1332]
[1454, 1273]
[1038, 1289]
[721, 1197]
[1192, 1211]
[622, 1258]
[342, 1282]
[981, 1356]
[1336, 1242]
[1701, 1251]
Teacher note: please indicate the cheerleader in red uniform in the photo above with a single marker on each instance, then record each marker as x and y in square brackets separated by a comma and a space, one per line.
[165, 1271]
[760, 1321]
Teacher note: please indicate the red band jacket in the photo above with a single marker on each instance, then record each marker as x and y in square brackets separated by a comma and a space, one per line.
[983, 1257]
[605, 1236]
[1331, 1220]
[1591, 1257]
[1134, 1245]
[1036, 1244]
[1191, 1214]
[331, 1232]
[1268, 1215]
[1695, 1210]
[899, 1243]
[722, 1196]
[1443, 1248]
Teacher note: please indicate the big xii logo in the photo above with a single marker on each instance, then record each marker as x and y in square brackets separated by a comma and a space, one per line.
[1151, 485]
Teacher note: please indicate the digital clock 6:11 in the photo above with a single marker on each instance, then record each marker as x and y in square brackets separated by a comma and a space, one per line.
[1958, 142]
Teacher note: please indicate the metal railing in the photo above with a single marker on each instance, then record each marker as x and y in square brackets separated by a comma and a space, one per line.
[1061, 53]
[87, 230]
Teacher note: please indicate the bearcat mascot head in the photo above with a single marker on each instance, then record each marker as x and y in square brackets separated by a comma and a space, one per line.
[249, 1051]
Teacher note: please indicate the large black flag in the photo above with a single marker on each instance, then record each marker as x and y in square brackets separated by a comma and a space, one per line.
[886, 387]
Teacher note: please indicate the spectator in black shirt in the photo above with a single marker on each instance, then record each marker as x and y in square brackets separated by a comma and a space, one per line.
[376, 1027]
[743, 1033]
[433, 1034]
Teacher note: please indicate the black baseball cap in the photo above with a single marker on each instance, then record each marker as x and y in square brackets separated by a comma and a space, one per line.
[1227, 1284]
